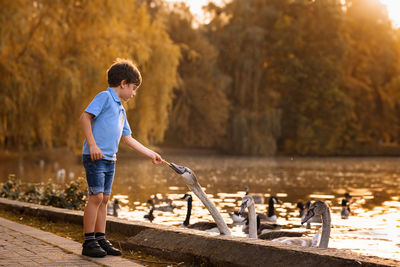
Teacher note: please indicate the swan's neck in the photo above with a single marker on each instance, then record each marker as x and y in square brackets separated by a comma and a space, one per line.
[252, 221]
[222, 227]
[326, 229]
[271, 209]
[188, 213]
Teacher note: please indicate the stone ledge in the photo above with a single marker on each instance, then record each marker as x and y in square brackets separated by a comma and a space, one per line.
[196, 246]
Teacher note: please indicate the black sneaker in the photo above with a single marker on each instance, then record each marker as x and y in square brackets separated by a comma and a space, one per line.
[93, 249]
[107, 246]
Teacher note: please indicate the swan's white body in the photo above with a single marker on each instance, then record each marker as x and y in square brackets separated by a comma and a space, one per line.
[299, 241]
[320, 209]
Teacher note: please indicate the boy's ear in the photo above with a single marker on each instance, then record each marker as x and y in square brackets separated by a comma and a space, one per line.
[123, 82]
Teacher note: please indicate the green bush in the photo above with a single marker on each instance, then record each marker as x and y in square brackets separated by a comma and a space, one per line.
[11, 188]
[33, 194]
[72, 196]
[75, 194]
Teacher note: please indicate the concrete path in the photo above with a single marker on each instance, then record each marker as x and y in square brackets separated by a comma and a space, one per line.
[21, 245]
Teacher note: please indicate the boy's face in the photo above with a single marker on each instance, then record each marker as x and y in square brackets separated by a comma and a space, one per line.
[127, 91]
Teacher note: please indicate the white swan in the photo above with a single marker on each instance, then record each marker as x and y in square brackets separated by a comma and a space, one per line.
[253, 222]
[303, 211]
[269, 217]
[194, 186]
[318, 208]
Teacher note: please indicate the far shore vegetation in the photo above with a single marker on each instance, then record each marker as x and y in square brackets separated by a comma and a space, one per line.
[263, 77]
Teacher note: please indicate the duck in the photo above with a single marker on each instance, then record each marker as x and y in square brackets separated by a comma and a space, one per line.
[261, 227]
[193, 184]
[270, 235]
[302, 210]
[113, 207]
[203, 226]
[248, 203]
[271, 216]
[157, 200]
[257, 197]
[150, 215]
[319, 209]
[165, 208]
[345, 212]
[237, 218]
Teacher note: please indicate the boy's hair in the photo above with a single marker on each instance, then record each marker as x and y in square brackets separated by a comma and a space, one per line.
[123, 69]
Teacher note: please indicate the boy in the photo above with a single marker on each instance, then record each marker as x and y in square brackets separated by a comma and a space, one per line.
[104, 123]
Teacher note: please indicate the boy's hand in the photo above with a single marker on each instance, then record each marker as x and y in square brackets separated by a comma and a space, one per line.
[95, 153]
[156, 159]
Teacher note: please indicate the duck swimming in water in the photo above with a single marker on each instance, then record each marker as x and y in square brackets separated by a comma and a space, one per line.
[113, 208]
[168, 207]
[271, 216]
[261, 227]
[346, 206]
[203, 226]
[150, 215]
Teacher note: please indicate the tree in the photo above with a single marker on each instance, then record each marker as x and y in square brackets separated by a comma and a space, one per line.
[200, 111]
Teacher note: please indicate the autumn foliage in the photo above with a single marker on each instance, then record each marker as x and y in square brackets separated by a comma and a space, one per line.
[263, 77]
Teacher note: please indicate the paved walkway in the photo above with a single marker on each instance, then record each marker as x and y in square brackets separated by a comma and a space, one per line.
[21, 245]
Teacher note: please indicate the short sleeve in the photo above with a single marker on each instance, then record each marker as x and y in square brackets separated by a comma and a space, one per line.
[97, 103]
[127, 128]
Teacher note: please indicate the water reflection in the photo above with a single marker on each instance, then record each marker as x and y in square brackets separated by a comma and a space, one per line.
[372, 228]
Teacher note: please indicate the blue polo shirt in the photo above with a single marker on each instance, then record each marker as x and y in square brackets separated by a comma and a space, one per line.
[108, 124]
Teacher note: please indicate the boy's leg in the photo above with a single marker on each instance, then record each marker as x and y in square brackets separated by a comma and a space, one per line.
[101, 229]
[102, 213]
[100, 225]
[91, 247]
[91, 212]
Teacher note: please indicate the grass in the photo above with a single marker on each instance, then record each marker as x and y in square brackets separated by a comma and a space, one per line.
[75, 232]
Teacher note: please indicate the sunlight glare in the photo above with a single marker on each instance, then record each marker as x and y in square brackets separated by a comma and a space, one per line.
[393, 7]
[195, 7]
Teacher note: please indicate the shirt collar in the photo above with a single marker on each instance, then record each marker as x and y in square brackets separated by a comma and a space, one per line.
[114, 95]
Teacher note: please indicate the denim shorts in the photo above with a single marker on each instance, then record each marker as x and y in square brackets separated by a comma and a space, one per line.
[99, 175]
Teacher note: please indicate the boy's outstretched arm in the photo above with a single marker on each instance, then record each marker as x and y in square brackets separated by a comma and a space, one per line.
[95, 152]
[134, 144]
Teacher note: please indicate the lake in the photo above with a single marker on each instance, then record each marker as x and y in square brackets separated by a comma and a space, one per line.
[374, 182]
